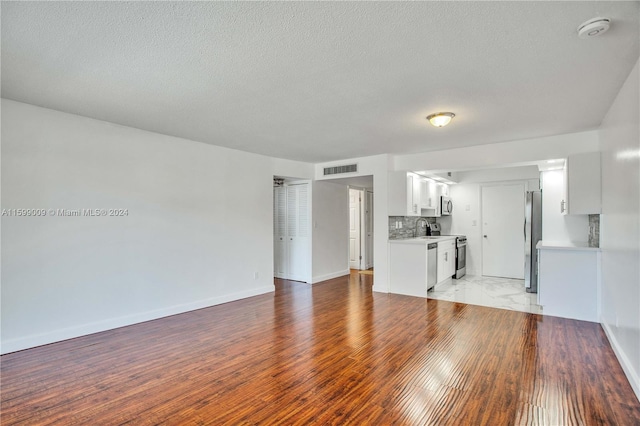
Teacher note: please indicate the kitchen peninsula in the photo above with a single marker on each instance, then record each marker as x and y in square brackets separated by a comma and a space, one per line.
[413, 268]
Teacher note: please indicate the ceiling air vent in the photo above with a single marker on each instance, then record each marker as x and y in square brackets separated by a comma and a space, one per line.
[349, 168]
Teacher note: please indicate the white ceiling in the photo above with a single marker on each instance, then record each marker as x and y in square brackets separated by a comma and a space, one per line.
[322, 81]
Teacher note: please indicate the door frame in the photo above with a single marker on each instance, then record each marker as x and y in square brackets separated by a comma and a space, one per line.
[368, 219]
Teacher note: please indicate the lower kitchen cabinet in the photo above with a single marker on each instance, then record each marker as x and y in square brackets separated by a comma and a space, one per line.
[408, 267]
[568, 281]
[446, 260]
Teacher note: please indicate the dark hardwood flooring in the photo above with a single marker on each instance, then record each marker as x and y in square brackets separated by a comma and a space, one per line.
[332, 353]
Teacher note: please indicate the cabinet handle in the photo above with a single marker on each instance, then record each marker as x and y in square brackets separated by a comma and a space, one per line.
[562, 206]
[446, 257]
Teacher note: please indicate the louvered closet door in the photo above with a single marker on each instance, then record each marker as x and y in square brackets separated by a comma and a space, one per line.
[298, 233]
[280, 232]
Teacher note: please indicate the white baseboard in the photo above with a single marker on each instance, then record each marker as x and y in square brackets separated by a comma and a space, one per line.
[627, 367]
[34, 340]
[330, 276]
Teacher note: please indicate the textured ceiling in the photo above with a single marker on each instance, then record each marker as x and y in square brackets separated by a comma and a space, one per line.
[322, 81]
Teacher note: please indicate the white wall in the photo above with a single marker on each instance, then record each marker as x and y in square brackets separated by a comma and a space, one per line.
[557, 227]
[199, 225]
[620, 227]
[330, 220]
[498, 174]
[514, 153]
[291, 169]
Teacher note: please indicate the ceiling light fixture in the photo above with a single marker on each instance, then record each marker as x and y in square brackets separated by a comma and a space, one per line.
[440, 119]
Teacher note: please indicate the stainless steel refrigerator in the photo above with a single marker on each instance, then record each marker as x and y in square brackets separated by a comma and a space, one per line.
[532, 234]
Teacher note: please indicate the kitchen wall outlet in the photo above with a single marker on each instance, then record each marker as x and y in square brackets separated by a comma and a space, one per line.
[400, 225]
[255, 275]
[474, 223]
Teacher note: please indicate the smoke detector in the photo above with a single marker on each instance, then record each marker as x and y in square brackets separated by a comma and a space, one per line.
[593, 27]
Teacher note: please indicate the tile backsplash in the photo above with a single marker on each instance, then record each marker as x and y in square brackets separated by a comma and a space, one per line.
[594, 230]
[408, 226]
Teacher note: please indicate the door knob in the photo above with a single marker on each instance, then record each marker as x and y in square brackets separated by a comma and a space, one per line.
[485, 236]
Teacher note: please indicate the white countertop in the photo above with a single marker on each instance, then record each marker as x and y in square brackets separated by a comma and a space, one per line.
[553, 245]
[423, 240]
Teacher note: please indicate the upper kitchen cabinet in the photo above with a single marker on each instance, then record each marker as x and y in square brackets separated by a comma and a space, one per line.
[429, 195]
[582, 187]
[413, 195]
[404, 194]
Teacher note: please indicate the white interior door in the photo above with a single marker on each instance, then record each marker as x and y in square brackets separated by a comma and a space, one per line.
[280, 232]
[503, 231]
[369, 229]
[354, 228]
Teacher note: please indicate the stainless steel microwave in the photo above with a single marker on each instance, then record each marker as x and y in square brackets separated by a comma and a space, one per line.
[446, 206]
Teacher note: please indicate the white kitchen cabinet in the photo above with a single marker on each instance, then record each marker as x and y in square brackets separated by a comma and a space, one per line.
[444, 189]
[568, 280]
[413, 195]
[446, 260]
[408, 268]
[582, 186]
[428, 194]
[404, 194]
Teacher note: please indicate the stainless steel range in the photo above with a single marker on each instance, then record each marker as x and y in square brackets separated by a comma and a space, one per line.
[461, 249]
[461, 256]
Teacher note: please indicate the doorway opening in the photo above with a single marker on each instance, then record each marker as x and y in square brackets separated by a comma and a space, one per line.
[361, 229]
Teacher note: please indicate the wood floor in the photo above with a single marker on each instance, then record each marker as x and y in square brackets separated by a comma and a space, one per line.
[334, 353]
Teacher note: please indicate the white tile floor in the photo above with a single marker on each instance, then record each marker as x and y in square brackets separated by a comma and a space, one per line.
[503, 293]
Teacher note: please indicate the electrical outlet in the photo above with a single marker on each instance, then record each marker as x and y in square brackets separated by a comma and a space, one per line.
[474, 223]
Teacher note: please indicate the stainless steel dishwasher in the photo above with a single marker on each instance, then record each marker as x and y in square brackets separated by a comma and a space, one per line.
[432, 265]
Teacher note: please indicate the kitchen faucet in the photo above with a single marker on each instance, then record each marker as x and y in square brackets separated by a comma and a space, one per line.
[426, 224]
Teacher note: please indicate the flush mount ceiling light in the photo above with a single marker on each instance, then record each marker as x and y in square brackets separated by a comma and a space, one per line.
[593, 27]
[440, 119]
